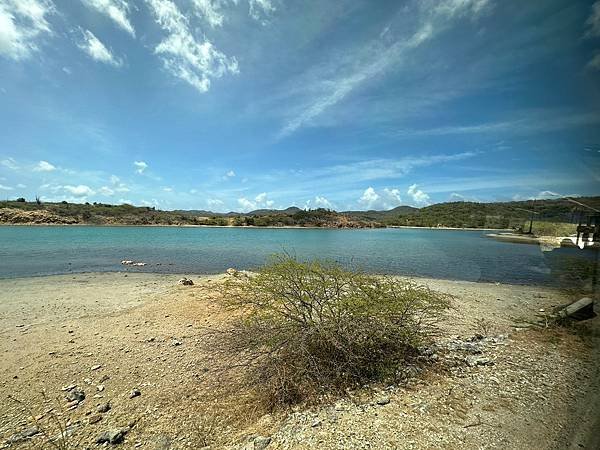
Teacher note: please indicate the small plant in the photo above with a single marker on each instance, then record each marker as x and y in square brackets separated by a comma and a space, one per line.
[484, 327]
[55, 430]
[306, 329]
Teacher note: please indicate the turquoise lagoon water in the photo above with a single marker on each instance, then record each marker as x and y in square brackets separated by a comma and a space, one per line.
[462, 255]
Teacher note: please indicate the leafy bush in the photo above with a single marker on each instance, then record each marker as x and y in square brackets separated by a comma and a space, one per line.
[309, 328]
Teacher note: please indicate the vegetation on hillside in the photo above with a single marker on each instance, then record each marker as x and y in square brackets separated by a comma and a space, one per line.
[504, 215]
[308, 329]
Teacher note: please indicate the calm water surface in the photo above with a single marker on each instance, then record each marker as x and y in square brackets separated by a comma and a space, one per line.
[462, 255]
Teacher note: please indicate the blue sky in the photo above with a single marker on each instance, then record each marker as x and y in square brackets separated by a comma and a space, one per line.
[244, 104]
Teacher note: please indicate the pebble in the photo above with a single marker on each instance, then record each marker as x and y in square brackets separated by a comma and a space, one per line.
[134, 393]
[383, 401]
[103, 407]
[111, 436]
[75, 395]
[96, 367]
[261, 442]
[95, 418]
[100, 387]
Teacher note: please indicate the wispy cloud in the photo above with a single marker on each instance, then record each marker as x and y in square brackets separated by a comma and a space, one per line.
[261, 9]
[594, 63]
[209, 10]
[183, 56]
[97, 50]
[10, 163]
[5, 188]
[117, 10]
[21, 23]
[374, 60]
[593, 21]
[537, 122]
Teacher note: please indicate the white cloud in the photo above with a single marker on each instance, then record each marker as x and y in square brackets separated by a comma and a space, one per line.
[97, 50]
[21, 186]
[228, 175]
[183, 56]
[44, 166]
[115, 9]
[10, 163]
[105, 190]
[117, 185]
[319, 202]
[141, 166]
[5, 188]
[385, 199]
[167, 189]
[593, 21]
[418, 195]
[260, 201]
[260, 9]
[210, 10]
[80, 190]
[456, 197]
[21, 22]
[214, 203]
[153, 203]
[246, 204]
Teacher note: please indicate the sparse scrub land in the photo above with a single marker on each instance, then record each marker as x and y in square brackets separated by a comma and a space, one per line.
[552, 228]
[554, 216]
[310, 329]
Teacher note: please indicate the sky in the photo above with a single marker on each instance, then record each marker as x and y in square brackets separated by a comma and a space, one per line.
[348, 104]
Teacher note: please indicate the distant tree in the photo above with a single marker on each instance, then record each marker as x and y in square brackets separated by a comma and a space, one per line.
[21, 200]
[37, 200]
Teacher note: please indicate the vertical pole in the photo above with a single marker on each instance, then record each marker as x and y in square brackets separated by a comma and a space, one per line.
[531, 217]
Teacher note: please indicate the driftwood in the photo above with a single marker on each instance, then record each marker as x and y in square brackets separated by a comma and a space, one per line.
[580, 310]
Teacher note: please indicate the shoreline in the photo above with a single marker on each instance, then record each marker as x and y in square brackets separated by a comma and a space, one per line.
[270, 227]
[424, 278]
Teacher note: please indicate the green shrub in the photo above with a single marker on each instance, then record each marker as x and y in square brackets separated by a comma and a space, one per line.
[310, 328]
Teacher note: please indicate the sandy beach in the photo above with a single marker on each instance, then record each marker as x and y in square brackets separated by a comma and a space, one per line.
[112, 333]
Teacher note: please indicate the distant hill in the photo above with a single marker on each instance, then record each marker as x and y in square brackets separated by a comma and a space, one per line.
[452, 214]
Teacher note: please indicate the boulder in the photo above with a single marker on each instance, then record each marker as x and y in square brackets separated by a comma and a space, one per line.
[185, 282]
[231, 271]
